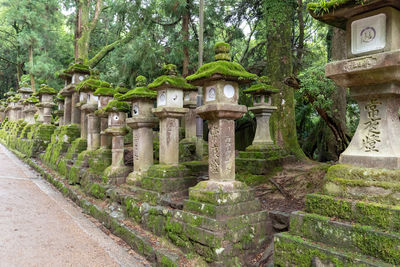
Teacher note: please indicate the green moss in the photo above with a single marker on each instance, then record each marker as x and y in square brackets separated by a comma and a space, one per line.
[325, 6]
[141, 81]
[261, 88]
[166, 81]
[45, 89]
[117, 106]
[104, 91]
[138, 93]
[97, 191]
[91, 85]
[227, 69]
[81, 68]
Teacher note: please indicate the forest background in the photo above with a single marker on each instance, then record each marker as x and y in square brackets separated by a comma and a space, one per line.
[127, 38]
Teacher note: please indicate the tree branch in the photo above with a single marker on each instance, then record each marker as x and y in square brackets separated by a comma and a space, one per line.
[96, 14]
[8, 61]
[108, 48]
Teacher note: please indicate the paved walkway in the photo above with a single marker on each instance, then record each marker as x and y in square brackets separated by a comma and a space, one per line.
[39, 227]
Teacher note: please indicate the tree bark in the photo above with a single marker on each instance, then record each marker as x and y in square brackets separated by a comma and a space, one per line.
[31, 66]
[279, 17]
[185, 34]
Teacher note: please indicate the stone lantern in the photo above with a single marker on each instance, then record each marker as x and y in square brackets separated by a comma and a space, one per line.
[30, 109]
[66, 93]
[117, 172]
[60, 109]
[354, 221]
[45, 94]
[18, 107]
[371, 73]
[170, 88]
[10, 107]
[77, 73]
[90, 122]
[229, 200]
[2, 111]
[262, 110]
[142, 123]
[25, 92]
[105, 95]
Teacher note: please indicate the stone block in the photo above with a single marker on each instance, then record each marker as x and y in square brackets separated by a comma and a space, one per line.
[353, 237]
[292, 250]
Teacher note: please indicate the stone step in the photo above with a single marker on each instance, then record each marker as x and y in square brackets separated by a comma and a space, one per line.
[357, 238]
[222, 211]
[381, 192]
[167, 185]
[384, 217]
[292, 250]
[271, 154]
[144, 195]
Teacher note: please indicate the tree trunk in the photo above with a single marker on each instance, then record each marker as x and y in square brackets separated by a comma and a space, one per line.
[31, 66]
[279, 16]
[339, 103]
[185, 34]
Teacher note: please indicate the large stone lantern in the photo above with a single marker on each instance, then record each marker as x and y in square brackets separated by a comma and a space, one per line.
[354, 221]
[117, 172]
[25, 92]
[66, 93]
[142, 123]
[371, 73]
[262, 110]
[105, 95]
[30, 109]
[75, 74]
[170, 88]
[90, 122]
[221, 194]
[45, 94]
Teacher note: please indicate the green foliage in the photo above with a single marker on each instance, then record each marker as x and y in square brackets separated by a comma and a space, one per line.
[315, 86]
[325, 6]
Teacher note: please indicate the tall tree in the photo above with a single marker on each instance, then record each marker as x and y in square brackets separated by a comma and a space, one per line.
[280, 15]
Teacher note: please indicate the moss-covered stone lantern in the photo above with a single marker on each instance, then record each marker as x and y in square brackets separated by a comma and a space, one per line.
[60, 109]
[25, 91]
[66, 93]
[213, 204]
[30, 109]
[77, 73]
[371, 73]
[190, 102]
[117, 172]
[46, 103]
[170, 88]
[142, 123]
[2, 111]
[354, 220]
[105, 95]
[262, 110]
[10, 113]
[90, 122]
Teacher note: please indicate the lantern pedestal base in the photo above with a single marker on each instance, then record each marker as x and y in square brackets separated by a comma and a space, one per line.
[222, 221]
[163, 183]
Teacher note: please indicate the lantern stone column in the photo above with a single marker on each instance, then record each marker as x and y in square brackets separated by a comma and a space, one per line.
[222, 193]
[142, 123]
[60, 110]
[117, 172]
[105, 95]
[93, 126]
[30, 109]
[46, 103]
[66, 93]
